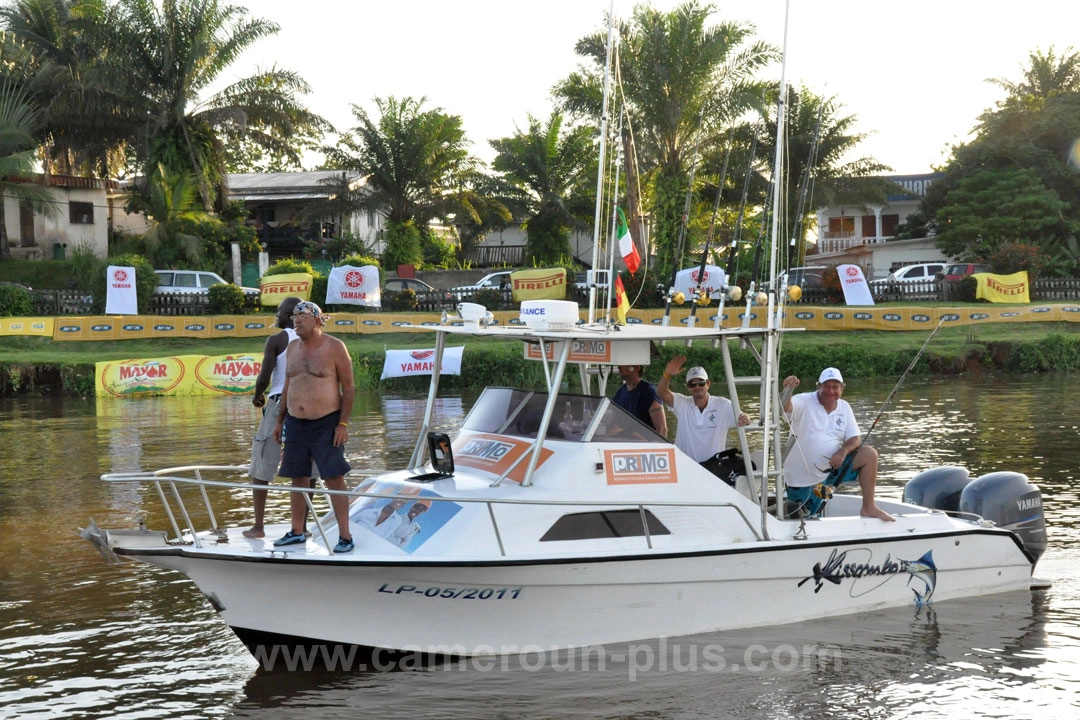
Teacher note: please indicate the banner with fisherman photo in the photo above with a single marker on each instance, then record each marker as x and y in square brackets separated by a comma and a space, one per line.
[853, 282]
[1002, 288]
[543, 284]
[712, 280]
[120, 295]
[275, 288]
[350, 285]
[402, 363]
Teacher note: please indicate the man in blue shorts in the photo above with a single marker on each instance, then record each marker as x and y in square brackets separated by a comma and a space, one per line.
[313, 423]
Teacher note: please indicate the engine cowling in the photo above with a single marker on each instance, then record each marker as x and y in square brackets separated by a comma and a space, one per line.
[938, 488]
[1012, 502]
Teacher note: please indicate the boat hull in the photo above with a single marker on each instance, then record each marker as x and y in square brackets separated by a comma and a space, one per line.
[513, 607]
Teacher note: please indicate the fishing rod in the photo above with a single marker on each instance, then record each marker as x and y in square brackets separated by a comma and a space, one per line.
[692, 320]
[835, 475]
[680, 245]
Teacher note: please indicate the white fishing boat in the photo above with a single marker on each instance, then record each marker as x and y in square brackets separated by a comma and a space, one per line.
[554, 519]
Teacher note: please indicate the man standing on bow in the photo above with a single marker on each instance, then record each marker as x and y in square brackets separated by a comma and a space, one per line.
[313, 421]
[825, 433]
[265, 451]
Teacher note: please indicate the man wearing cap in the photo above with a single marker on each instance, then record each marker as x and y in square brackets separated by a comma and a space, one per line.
[704, 419]
[638, 396]
[825, 432]
[313, 419]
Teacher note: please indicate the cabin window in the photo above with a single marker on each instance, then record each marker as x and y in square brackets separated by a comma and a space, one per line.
[81, 213]
[605, 524]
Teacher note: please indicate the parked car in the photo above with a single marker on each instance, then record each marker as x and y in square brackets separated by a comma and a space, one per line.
[807, 277]
[958, 271]
[422, 289]
[921, 272]
[399, 284]
[491, 281]
[192, 281]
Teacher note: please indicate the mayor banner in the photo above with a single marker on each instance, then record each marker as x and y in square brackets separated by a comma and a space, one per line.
[275, 288]
[546, 284]
[178, 375]
[402, 363]
[1002, 288]
[348, 285]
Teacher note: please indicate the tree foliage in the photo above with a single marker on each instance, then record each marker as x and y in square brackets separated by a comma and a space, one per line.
[129, 82]
[682, 83]
[554, 170]
[1016, 181]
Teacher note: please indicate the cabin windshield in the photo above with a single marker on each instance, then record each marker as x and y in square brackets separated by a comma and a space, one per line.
[508, 411]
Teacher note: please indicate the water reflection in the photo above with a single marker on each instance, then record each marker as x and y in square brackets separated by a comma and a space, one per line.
[80, 638]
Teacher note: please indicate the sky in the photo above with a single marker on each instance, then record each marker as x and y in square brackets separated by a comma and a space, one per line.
[912, 73]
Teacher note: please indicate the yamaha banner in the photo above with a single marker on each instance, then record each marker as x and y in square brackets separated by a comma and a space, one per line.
[348, 285]
[402, 363]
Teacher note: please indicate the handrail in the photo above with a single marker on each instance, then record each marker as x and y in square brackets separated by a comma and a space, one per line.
[167, 475]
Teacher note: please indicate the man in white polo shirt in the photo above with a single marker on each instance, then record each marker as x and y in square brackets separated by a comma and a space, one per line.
[704, 419]
[825, 432]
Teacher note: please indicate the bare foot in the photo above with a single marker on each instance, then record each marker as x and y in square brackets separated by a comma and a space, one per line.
[875, 512]
[254, 534]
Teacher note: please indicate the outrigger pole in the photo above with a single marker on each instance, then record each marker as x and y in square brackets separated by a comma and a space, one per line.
[600, 169]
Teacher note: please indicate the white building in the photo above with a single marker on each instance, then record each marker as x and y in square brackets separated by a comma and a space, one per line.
[78, 217]
[863, 234]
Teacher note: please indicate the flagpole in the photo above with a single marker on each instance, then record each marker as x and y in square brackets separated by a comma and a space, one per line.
[600, 170]
[612, 241]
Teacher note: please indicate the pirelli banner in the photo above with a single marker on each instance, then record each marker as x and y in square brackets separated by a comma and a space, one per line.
[178, 375]
[275, 288]
[549, 284]
[1002, 288]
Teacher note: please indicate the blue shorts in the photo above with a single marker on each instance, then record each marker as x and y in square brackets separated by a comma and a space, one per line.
[307, 441]
[806, 499]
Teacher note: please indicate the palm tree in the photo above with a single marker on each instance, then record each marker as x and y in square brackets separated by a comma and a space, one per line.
[166, 200]
[554, 169]
[819, 141]
[18, 143]
[131, 77]
[682, 83]
[416, 165]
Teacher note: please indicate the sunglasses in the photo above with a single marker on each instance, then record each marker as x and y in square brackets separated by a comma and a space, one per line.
[697, 383]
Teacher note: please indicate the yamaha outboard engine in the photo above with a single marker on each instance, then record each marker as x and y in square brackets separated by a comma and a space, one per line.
[938, 488]
[1011, 501]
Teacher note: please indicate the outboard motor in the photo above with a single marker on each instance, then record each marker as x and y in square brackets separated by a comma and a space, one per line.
[1011, 501]
[938, 488]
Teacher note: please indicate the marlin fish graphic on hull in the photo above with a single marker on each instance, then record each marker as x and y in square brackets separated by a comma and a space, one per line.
[925, 571]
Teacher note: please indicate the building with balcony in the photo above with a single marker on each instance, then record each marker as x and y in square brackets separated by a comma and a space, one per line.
[864, 234]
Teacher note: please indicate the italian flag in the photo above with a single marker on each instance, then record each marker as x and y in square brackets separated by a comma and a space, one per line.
[626, 243]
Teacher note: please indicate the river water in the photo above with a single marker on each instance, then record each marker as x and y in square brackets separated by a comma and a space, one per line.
[82, 639]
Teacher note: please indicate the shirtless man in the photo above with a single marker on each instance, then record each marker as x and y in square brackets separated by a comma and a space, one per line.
[314, 421]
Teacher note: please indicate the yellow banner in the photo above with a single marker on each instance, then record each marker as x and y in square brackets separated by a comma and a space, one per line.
[1002, 288]
[178, 375]
[275, 288]
[546, 284]
[27, 326]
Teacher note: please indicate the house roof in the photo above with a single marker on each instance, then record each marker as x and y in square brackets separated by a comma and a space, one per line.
[307, 185]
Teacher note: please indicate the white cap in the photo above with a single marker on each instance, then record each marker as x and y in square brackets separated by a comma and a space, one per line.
[697, 373]
[830, 374]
